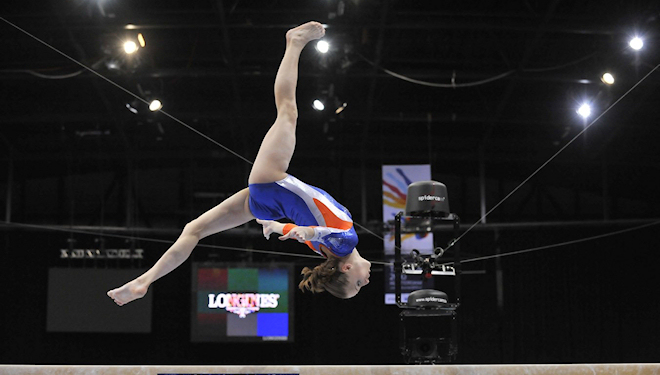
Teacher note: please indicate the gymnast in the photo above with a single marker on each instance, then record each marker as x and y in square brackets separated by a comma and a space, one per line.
[272, 194]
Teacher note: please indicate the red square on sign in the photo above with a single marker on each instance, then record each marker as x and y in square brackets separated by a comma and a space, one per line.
[212, 279]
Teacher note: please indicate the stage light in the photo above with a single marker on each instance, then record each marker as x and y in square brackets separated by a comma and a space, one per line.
[636, 43]
[131, 108]
[341, 108]
[318, 105]
[130, 47]
[607, 78]
[584, 110]
[112, 65]
[155, 105]
[141, 40]
[322, 46]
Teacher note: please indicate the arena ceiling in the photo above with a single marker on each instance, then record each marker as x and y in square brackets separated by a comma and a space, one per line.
[478, 89]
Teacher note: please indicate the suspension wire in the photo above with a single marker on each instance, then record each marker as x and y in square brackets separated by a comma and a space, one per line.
[126, 91]
[144, 101]
[452, 85]
[250, 162]
[148, 239]
[553, 156]
[45, 76]
[566, 243]
[368, 231]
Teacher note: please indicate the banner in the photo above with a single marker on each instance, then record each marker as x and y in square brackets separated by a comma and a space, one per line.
[396, 179]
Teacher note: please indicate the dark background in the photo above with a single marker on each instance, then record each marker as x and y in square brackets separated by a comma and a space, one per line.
[74, 159]
[580, 303]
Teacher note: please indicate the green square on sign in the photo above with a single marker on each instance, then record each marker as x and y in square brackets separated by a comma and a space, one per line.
[242, 280]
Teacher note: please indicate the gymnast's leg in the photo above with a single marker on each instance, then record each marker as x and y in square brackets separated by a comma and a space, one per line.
[279, 143]
[270, 165]
[231, 213]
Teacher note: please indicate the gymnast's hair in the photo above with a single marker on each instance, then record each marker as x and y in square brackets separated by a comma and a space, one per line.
[325, 277]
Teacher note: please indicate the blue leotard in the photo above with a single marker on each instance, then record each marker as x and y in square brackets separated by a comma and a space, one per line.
[306, 205]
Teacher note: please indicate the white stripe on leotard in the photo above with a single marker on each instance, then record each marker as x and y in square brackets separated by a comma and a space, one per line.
[307, 194]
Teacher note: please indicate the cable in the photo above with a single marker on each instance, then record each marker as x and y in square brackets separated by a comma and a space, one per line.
[146, 102]
[572, 242]
[452, 85]
[368, 231]
[554, 156]
[127, 91]
[147, 239]
[46, 76]
[78, 231]
[540, 70]
[449, 85]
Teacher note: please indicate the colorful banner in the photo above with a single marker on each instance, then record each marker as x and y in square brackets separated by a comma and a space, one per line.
[396, 179]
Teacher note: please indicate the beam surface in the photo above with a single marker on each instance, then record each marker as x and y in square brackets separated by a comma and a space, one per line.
[572, 369]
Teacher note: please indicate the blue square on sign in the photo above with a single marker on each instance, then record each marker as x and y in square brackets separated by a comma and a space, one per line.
[273, 324]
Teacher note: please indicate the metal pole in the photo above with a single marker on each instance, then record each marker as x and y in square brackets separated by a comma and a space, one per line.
[482, 185]
[457, 259]
[10, 183]
[499, 281]
[397, 258]
[606, 190]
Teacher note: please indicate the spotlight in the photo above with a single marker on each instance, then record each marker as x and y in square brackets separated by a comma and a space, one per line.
[130, 47]
[155, 105]
[607, 78]
[112, 65]
[584, 110]
[140, 38]
[636, 43]
[322, 46]
[131, 108]
[318, 105]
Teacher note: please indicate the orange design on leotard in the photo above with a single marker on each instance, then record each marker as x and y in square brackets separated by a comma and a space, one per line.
[331, 220]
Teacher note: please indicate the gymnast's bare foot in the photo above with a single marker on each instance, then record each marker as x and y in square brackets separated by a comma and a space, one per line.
[305, 33]
[128, 292]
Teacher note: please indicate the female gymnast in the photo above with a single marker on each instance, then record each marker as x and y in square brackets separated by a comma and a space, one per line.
[272, 194]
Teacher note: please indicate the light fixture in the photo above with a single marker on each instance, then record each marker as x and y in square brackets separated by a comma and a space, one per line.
[322, 46]
[112, 64]
[607, 78]
[318, 105]
[155, 105]
[141, 40]
[636, 43]
[341, 108]
[131, 108]
[584, 110]
[130, 47]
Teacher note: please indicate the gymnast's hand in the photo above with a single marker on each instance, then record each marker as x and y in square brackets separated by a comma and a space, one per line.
[302, 234]
[270, 227]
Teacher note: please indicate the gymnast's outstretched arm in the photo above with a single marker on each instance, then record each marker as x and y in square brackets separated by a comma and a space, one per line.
[287, 231]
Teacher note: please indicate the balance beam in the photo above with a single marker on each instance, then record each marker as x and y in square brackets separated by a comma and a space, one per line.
[575, 369]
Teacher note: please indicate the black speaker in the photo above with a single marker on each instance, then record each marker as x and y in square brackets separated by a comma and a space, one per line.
[429, 350]
[423, 347]
[427, 198]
